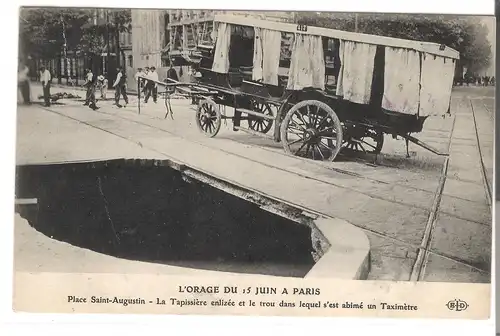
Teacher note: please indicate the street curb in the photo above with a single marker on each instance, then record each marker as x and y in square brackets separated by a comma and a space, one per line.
[348, 254]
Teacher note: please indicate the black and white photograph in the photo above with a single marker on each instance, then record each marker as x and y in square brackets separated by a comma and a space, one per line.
[256, 146]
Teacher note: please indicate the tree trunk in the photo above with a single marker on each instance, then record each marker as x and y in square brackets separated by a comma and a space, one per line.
[118, 51]
[65, 53]
[108, 51]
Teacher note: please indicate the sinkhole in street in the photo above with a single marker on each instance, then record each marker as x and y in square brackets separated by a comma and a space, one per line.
[145, 211]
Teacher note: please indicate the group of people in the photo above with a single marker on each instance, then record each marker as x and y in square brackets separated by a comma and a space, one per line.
[475, 80]
[147, 79]
[93, 83]
[24, 85]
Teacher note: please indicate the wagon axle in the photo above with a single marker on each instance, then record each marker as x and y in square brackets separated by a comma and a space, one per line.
[311, 135]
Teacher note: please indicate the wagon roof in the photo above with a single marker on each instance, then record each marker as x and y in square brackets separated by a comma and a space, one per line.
[426, 47]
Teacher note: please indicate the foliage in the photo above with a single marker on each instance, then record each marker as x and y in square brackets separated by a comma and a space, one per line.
[41, 30]
[466, 35]
[96, 36]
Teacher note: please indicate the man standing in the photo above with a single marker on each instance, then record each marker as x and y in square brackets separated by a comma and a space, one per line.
[24, 83]
[45, 78]
[139, 78]
[102, 82]
[171, 73]
[120, 87]
[152, 86]
[145, 81]
[89, 79]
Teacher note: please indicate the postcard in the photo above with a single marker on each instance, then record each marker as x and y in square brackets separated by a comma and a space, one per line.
[222, 162]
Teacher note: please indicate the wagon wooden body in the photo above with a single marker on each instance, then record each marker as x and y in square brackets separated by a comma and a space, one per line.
[318, 90]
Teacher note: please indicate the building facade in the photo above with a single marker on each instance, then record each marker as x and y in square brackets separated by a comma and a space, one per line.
[189, 28]
[159, 35]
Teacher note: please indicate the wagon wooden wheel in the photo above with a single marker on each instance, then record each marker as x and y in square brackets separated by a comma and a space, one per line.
[311, 129]
[260, 124]
[362, 139]
[208, 117]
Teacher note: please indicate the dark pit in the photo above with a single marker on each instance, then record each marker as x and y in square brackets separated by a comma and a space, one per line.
[146, 211]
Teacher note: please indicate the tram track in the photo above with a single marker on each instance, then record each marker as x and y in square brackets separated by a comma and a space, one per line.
[490, 113]
[362, 227]
[422, 261]
[484, 173]
[424, 250]
[339, 170]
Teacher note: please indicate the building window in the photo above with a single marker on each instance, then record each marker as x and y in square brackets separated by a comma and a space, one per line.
[131, 61]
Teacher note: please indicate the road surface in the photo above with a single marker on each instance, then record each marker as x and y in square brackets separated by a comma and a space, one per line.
[427, 217]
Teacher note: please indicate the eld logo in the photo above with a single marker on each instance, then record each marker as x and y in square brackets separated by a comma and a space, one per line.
[457, 305]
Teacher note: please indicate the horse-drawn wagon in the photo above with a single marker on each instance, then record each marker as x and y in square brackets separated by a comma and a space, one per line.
[320, 90]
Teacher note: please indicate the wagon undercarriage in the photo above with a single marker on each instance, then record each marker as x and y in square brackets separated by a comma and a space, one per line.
[309, 125]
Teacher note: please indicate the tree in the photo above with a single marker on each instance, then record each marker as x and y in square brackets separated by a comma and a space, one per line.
[44, 32]
[97, 38]
[466, 35]
[122, 23]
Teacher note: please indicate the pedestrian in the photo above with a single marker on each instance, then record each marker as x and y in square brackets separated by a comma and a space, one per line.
[102, 83]
[120, 86]
[172, 74]
[153, 86]
[139, 78]
[89, 80]
[194, 77]
[24, 83]
[45, 78]
[171, 77]
[145, 80]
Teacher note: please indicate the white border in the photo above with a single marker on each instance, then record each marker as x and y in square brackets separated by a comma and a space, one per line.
[188, 325]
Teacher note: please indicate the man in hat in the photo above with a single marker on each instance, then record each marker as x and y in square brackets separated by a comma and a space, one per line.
[139, 78]
[45, 78]
[145, 81]
[89, 80]
[152, 86]
[120, 87]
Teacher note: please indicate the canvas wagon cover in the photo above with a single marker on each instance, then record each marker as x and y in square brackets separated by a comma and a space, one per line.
[418, 76]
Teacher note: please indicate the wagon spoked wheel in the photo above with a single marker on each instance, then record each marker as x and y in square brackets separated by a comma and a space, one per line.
[362, 139]
[311, 129]
[260, 124]
[208, 117]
